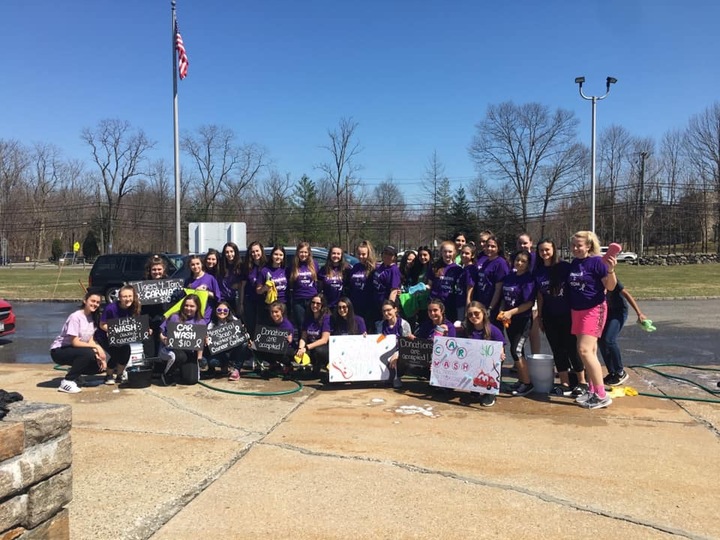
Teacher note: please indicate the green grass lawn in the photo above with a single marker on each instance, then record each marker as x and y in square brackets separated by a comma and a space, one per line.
[63, 283]
[43, 283]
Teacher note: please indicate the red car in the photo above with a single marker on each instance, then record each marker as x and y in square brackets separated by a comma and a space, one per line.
[7, 319]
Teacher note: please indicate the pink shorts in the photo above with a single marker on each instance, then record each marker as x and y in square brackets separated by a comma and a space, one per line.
[589, 322]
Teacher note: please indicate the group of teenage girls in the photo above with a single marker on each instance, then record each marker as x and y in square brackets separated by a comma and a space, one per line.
[469, 291]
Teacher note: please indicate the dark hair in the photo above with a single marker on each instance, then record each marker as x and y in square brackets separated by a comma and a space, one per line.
[499, 245]
[556, 281]
[277, 304]
[343, 265]
[472, 249]
[195, 298]
[390, 303]
[213, 271]
[458, 234]
[274, 249]
[323, 309]
[152, 261]
[248, 258]
[231, 316]
[348, 321]
[95, 316]
[437, 302]
[225, 268]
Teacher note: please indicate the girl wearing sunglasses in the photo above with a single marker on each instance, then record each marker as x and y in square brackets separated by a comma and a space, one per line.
[230, 362]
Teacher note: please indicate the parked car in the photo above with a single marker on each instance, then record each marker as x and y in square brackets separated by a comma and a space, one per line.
[70, 257]
[7, 319]
[623, 256]
[112, 271]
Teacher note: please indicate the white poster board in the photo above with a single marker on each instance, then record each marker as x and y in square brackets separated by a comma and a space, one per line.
[469, 365]
[360, 358]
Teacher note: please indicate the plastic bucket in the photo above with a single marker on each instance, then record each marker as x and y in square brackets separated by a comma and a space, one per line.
[542, 372]
[139, 375]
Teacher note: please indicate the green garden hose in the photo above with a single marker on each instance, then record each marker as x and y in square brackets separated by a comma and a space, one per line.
[651, 367]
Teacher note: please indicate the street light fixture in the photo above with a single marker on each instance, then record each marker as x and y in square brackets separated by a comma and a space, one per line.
[579, 81]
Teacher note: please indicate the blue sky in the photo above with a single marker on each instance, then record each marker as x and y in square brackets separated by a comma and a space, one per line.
[416, 75]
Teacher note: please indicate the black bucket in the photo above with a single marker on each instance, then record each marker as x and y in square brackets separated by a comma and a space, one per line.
[140, 375]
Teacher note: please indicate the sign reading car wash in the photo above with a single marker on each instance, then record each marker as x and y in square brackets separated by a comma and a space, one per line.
[360, 358]
[469, 365]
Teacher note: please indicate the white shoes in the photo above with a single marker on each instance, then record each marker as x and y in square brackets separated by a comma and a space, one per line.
[69, 387]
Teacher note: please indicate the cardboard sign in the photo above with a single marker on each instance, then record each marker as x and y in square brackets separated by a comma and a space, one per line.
[128, 330]
[156, 291]
[226, 336]
[416, 353]
[269, 339]
[470, 365]
[186, 336]
[360, 358]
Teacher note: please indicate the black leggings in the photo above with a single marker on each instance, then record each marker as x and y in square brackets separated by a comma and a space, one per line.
[517, 333]
[119, 356]
[81, 360]
[563, 343]
[319, 356]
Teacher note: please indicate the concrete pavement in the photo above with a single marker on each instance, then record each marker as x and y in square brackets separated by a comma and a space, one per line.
[370, 462]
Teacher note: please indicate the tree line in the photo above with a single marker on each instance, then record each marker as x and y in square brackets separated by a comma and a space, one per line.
[532, 175]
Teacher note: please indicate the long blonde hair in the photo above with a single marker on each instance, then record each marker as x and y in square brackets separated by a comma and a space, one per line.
[296, 263]
[591, 239]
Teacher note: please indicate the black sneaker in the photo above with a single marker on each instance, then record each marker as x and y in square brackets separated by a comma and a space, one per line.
[487, 400]
[562, 390]
[608, 379]
[579, 390]
[621, 377]
[523, 390]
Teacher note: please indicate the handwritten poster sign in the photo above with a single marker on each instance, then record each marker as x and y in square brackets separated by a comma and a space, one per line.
[271, 340]
[470, 365]
[226, 336]
[415, 354]
[128, 330]
[186, 336]
[156, 291]
[360, 358]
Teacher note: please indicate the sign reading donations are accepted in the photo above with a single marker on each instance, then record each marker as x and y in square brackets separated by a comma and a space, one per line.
[360, 358]
[128, 330]
[415, 354]
[156, 291]
[186, 336]
[226, 336]
[269, 339]
[470, 365]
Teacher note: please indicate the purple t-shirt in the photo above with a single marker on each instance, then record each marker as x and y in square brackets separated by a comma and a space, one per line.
[495, 334]
[279, 277]
[331, 284]
[385, 279]
[445, 285]
[304, 286]
[253, 278]
[211, 285]
[314, 329]
[585, 287]
[427, 329]
[76, 325]
[339, 326]
[359, 288]
[518, 289]
[553, 305]
[285, 324]
[396, 329]
[228, 286]
[483, 278]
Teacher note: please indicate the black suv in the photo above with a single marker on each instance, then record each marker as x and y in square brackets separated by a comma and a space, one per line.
[110, 272]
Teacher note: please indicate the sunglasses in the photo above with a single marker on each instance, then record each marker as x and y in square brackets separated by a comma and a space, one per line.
[474, 313]
[222, 310]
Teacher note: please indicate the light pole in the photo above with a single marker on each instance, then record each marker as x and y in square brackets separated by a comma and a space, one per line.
[594, 99]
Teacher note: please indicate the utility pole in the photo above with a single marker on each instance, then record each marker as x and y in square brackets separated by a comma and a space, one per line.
[643, 157]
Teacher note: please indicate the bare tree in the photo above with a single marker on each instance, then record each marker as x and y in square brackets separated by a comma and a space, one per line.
[340, 173]
[615, 154]
[388, 213]
[14, 160]
[119, 152]
[224, 168]
[434, 184]
[564, 169]
[273, 204]
[47, 170]
[513, 142]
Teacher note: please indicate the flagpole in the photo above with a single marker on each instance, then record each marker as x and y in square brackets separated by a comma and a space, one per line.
[176, 139]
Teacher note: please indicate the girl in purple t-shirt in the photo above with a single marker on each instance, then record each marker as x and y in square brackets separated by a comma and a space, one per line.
[386, 280]
[436, 323]
[484, 279]
[315, 334]
[518, 290]
[276, 272]
[202, 281]
[127, 305]
[359, 282]
[393, 325]
[250, 300]
[189, 313]
[588, 278]
[344, 322]
[302, 282]
[444, 277]
[228, 274]
[331, 278]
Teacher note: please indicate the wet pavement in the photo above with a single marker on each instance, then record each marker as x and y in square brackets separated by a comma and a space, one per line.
[688, 332]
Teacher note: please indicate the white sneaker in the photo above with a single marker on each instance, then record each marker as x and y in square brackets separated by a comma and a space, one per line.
[69, 387]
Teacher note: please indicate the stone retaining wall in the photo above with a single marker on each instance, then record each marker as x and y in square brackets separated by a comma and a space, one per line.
[35, 472]
[675, 259]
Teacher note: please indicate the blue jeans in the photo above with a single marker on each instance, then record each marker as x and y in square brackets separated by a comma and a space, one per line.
[608, 343]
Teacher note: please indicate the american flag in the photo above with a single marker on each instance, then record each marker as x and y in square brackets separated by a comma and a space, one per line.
[182, 55]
